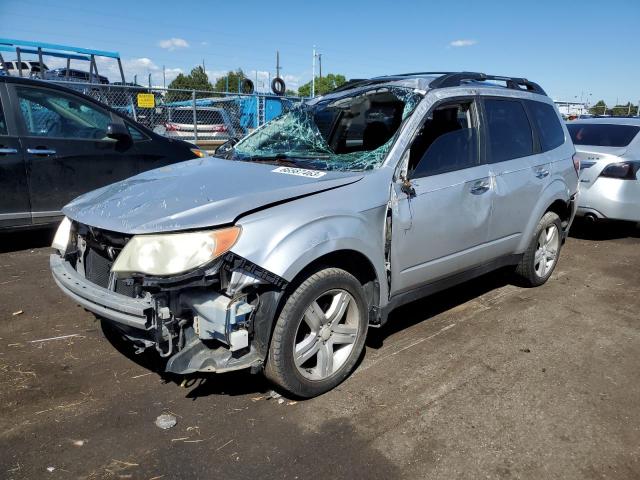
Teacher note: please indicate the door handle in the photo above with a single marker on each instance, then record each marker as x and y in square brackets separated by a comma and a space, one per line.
[8, 151]
[41, 151]
[542, 173]
[479, 187]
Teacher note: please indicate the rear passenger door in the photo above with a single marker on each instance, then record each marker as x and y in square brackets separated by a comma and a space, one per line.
[520, 171]
[15, 210]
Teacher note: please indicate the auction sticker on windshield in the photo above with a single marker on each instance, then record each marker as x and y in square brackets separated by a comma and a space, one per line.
[301, 172]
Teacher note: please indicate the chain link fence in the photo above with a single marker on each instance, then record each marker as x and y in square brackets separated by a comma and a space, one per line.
[205, 118]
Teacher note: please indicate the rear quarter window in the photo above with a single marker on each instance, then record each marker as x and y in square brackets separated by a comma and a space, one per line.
[602, 134]
[546, 121]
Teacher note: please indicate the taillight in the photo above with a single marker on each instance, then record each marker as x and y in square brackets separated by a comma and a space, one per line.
[219, 128]
[576, 163]
[621, 170]
[170, 127]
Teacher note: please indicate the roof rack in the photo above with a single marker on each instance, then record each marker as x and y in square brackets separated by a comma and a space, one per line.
[448, 79]
[458, 79]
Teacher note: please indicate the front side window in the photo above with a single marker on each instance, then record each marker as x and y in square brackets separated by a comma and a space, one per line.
[56, 115]
[3, 122]
[509, 131]
[136, 135]
[602, 134]
[351, 132]
[446, 142]
[547, 123]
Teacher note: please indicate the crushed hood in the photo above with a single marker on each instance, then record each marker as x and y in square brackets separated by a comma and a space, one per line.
[197, 193]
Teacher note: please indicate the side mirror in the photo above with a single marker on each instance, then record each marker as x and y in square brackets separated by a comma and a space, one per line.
[227, 146]
[118, 132]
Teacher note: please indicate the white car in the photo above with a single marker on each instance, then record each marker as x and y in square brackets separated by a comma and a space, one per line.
[609, 153]
[212, 123]
[29, 67]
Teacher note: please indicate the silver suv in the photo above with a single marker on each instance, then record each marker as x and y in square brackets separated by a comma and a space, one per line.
[278, 253]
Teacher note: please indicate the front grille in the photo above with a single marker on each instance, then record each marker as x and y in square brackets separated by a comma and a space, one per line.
[102, 248]
[97, 268]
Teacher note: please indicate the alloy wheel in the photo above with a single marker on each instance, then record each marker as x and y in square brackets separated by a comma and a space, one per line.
[547, 250]
[326, 334]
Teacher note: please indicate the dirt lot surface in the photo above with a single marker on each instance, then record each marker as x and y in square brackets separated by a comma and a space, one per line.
[487, 380]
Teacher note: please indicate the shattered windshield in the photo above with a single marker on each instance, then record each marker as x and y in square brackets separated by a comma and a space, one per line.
[349, 133]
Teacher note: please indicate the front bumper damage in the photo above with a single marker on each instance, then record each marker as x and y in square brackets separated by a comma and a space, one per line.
[214, 322]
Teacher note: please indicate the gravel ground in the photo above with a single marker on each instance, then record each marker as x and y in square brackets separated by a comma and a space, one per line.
[486, 380]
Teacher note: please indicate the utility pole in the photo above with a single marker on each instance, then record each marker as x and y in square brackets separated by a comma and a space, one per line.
[203, 67]
[277, 63]
[313, 73]
[320, 64]
[164, 78]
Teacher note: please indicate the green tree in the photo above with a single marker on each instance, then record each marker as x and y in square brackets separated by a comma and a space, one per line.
[599, 108]
[323, 85]
[196, 80]
[230, 82]
[624, 110]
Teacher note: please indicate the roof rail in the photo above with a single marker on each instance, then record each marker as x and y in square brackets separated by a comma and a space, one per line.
[349, 84]
[413, 74]
[457, 79]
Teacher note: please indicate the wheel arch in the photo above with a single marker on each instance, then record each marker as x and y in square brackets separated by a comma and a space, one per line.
[555, 198]
[352, 261]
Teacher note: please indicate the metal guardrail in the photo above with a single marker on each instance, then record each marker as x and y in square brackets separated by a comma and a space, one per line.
[199, 116]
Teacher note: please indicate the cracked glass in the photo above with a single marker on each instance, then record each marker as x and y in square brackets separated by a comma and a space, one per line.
[352, 132]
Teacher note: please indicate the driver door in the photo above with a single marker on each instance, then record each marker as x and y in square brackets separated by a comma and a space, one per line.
[67, 152]
[440, 224]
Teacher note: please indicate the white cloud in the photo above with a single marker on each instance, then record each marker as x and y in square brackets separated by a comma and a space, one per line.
[462, 43]
[172, 44]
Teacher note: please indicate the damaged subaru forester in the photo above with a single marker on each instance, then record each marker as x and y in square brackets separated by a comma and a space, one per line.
[278, 253]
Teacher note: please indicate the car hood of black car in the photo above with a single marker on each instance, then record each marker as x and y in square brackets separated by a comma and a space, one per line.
[198, 193]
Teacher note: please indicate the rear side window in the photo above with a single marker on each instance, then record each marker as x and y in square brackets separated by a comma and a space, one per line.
[509, 131]
[547, 123]
[602, 135]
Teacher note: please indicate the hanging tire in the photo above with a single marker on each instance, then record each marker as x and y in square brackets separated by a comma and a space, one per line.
[319, 334]
[247, 86]
[541, 257]
[278, 86]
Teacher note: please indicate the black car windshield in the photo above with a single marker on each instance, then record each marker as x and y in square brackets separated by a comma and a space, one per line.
[348, 133]
[602, 134]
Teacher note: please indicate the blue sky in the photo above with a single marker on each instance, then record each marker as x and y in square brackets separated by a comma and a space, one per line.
[571, 48]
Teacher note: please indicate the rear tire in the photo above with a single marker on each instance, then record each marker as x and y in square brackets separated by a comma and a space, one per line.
[541, 257]
[319, 334]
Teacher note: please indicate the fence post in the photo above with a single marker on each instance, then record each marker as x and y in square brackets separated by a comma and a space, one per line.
[195, 118]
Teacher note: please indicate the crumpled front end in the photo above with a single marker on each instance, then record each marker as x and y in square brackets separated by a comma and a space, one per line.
[215, 318]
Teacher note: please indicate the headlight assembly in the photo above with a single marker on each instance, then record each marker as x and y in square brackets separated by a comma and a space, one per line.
[173, 253]
[61, 239]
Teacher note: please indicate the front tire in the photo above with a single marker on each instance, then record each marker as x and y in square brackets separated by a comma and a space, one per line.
[541, 257]
[319, 334]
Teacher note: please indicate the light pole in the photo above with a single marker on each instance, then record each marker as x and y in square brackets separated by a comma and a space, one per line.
[313, 73]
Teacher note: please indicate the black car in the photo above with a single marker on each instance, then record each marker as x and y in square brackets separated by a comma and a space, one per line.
[56, 144]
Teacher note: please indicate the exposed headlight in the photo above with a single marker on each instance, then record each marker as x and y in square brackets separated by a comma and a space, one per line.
[61, 239]
[173, 253]
[199, 153]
